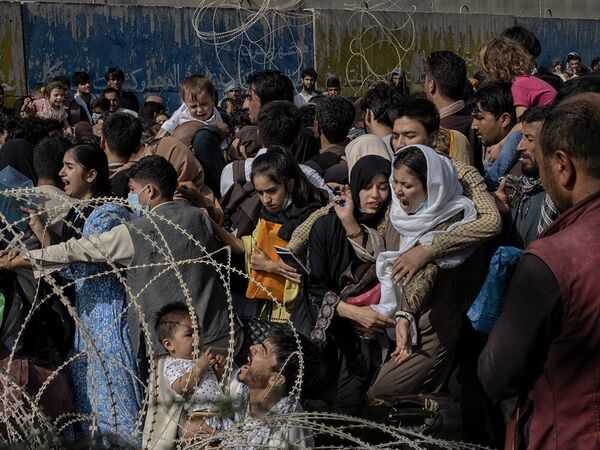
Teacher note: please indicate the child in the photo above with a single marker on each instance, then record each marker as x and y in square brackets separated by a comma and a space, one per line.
[198, 95]
[51, 106]
[197, 381]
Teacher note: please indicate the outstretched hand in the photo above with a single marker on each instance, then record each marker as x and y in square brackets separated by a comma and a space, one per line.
[403, 341]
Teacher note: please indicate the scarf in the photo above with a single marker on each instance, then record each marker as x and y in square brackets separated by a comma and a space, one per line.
[367, 144]
[363, 172]
[290, 217]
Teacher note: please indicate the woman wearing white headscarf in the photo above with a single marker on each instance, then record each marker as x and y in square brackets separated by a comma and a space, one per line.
[427, 201]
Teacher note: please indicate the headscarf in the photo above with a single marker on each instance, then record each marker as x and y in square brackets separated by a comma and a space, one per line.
[18, 153]
[290, 217]
[367, 144]
[444, 201]
[363, 172]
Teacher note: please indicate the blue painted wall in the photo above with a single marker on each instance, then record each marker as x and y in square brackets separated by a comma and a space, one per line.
[157, 46]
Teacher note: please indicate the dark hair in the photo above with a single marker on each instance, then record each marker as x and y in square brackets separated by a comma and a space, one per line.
[151, 109]
[379, 99]
[578, 85]
[80, 78]
[525, 39]
[157, 170]
[279, 166]
[32, 129]
[307, 113]
[335, 116]
[4, 120]
[414, 160]
[495, 98]
[168, 318]
[102, 103]
[278, 123]
[419, 109]
[38, 87]
[109, 90]
[91, 156]
[285, 347]
[573, 56]
[535, 114]
[449, 71]
[595, 64]
[333, 82]
[123, 134]
[551, 78]
[114, 72]
[271, 85]
[572, 127]
[62, 79]
[309, 72]
[48, 157]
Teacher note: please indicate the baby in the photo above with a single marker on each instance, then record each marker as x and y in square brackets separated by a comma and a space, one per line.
[197, 381]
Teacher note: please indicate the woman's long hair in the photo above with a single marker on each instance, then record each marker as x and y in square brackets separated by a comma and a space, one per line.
[91, 156]
[280, 167]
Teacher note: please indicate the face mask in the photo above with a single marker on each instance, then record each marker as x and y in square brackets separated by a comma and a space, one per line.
[95, 118]
[134, 203]
[422, 207]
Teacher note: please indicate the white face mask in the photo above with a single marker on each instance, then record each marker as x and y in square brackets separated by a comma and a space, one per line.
[421, 207]
[134, 203]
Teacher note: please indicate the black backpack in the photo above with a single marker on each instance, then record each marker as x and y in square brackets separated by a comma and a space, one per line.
[241, 203]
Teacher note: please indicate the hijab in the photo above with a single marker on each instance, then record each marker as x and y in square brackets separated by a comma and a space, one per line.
[367, 144]
[444, 201]
[18, 153]
[363, 172]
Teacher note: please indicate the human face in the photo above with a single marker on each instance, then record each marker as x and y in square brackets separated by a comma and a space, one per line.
[161, 118]
[408, 189]
[114, 100]
[78, 182]
[142, 190]
[200, 107]
[181, 343]
[308, 83]
[549, 179]
[115, 82]
[557, 68]
[252, 104]
[396, 80]
[487, 127]
[526, 148]
[408, 131]
[56, 97]
[272, 195]
[333, 91]
[575, 66]
[233, 94]
[259, 369]
[374, 194]
[84, 88]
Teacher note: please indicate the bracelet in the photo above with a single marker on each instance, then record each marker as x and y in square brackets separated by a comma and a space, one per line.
[355, 235]
[403, 315]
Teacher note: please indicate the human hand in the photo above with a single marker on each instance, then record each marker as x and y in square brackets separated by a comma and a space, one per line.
[492, 152]
[408, 264]
[288, 272]
[403, 341]
[344, 206]
[501, 198]
[28, 108]
[259, 261]
[189, 191]
[206, 360]
[222, 128]
[365, 333]
[11, 259]
[369, 319]
[35, 222]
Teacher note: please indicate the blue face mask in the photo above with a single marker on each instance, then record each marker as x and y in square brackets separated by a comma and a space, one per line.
[134, 203]
[422, 207]
[95, 118]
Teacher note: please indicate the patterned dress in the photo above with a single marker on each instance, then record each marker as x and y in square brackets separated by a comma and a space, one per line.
[104, 375]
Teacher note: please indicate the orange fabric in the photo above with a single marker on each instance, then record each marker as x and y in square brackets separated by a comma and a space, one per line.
[266, 239]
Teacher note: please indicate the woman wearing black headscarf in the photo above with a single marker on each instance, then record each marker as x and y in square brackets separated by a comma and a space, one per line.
[342, 267]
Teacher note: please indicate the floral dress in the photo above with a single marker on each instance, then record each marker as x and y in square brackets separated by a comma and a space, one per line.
[105, 385]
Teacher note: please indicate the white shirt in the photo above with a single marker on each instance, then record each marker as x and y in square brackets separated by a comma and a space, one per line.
[182, 115]
[313, 176]
[300, 99]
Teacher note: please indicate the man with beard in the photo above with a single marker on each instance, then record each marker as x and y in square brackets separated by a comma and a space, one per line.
[544, 346]
[261, 389]
[309, 81]
[520, 199]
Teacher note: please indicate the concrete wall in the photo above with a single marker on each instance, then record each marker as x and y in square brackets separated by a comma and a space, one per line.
[157, 46]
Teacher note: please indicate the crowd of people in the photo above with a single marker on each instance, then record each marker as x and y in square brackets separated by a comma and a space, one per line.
[375, 225]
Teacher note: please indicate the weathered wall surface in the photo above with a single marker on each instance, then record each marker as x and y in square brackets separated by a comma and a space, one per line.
[157, 46]
[12, 61]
